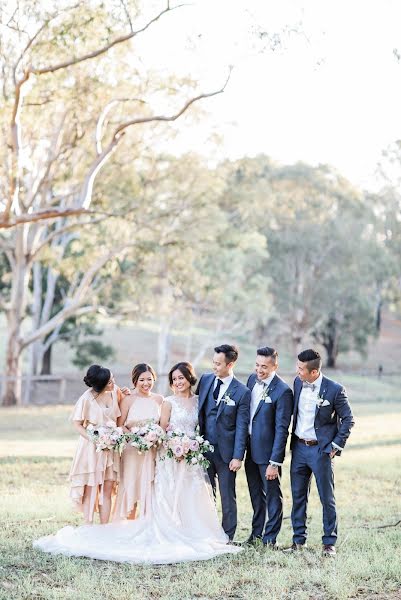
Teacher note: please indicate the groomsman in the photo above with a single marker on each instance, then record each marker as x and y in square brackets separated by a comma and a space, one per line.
[223, 420]
[321, 425]
[270, 416]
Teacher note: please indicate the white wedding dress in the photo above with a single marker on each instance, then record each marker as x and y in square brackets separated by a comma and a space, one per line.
[183, 524]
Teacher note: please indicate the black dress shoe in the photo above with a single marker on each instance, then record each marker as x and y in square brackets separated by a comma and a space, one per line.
[232, 543]
[252, 541]
[329, 550]
[295, 548]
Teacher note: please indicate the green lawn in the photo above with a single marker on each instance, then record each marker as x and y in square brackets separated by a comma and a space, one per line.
[36, 444]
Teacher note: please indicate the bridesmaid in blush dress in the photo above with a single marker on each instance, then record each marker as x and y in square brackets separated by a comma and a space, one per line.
[93, 474]
[137, 469]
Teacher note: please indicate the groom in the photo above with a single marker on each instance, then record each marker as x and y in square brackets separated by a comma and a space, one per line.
[224, 420]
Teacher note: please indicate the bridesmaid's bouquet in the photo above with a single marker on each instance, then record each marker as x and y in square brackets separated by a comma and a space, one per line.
[190, 448]
[145, 437]
[105, 437]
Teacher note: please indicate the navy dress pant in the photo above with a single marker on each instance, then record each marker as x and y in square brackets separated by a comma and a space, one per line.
[308, 460]
[266, 499]
[218, 469]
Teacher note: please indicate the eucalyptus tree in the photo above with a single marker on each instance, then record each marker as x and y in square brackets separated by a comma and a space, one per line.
[72, 92]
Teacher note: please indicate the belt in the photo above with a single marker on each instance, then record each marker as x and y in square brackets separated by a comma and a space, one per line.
[307, 442]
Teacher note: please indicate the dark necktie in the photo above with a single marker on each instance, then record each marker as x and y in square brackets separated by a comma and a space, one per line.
[217, 389]
[309, 385]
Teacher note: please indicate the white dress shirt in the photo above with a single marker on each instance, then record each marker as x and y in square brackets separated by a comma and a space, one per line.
[224, 386]
[257, 393]
[307, 403]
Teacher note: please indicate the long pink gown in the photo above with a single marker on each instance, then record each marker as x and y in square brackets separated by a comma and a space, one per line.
[137, 470]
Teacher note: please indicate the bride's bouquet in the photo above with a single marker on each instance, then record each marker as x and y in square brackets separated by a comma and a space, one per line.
[190, 448]
[145, 437]
[105, 437]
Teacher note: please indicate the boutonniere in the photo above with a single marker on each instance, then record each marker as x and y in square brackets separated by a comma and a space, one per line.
[322, 402]
[265, 396]
[227, 400]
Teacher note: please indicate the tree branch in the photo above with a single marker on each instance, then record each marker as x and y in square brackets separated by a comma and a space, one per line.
[49, 213]
[103, 115]
[102, 50]
[73, 304]
[67, 228]
[174, 117]
[86, 193]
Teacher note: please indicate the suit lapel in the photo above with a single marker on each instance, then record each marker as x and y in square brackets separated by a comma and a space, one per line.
[323, 387]
[229, 392]
[297, 393]
[270, 389]
[207, 386]
[322, 392]
[253, 382]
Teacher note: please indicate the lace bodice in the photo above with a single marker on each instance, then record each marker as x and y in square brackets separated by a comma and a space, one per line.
[183, 418]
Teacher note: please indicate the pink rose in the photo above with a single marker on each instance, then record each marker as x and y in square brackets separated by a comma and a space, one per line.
[194, 445]
[178, 451]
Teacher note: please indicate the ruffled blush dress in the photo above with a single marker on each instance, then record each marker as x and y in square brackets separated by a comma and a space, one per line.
[91, 468]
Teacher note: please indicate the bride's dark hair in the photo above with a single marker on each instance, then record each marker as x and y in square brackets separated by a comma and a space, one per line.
[186, 369]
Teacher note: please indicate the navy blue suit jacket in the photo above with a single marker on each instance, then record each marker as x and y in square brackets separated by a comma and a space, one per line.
[271, 422]
[334, 420]
[231, 421]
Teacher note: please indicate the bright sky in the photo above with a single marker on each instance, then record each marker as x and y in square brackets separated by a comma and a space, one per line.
[331, 93]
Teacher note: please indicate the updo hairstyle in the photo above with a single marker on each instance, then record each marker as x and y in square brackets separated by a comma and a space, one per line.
[97, 377]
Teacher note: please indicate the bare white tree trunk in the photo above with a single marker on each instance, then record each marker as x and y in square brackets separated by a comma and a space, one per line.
[15, 315]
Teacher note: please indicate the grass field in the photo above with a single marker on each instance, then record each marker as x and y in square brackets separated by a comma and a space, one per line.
[36, 445]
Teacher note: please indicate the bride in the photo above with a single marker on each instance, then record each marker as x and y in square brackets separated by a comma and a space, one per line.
[182, 524]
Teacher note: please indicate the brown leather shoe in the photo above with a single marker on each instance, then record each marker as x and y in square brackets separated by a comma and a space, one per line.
[329, 550]
[295, 548]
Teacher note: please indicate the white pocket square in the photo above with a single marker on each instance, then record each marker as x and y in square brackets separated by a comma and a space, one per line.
[325, 403]
[230, 403]
[268, 400]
